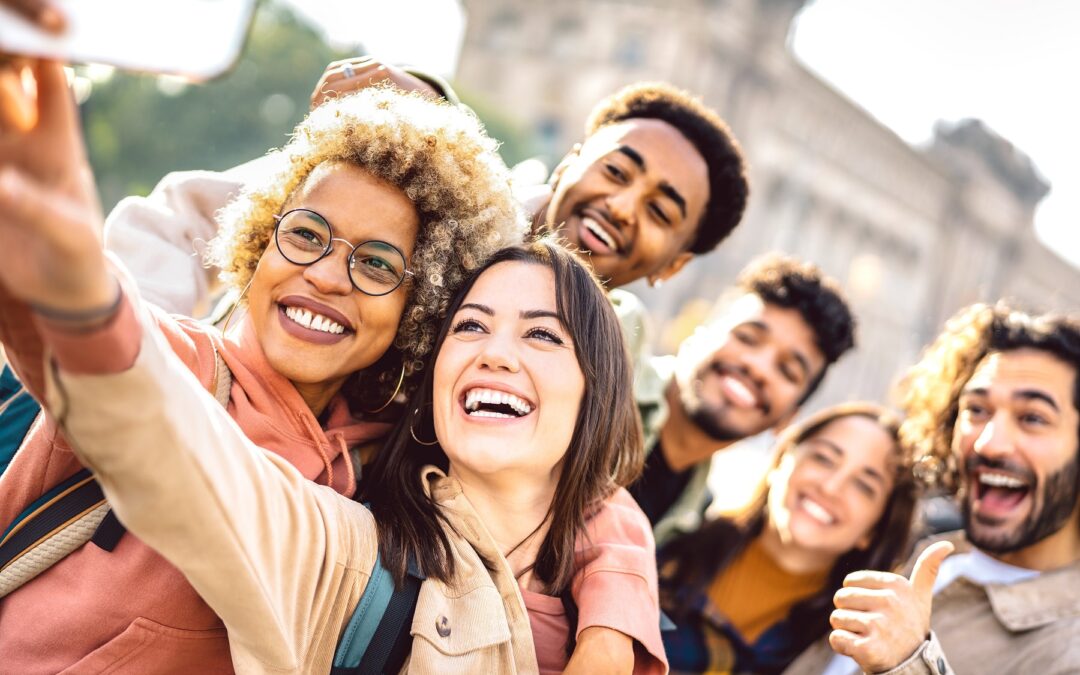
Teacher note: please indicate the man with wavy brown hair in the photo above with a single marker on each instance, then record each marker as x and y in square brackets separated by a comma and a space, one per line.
[994, 406]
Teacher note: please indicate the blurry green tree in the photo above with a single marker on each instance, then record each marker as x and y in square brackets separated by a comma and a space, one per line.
[140, 127]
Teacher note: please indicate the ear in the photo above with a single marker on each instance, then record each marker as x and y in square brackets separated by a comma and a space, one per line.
[566, 161]
[671, 269]
[864, 541]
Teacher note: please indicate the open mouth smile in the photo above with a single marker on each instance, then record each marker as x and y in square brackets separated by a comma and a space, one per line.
[596, 233]
[997, 493]
[738, 389]
[312, 322]
[483, 402]
[816, 511]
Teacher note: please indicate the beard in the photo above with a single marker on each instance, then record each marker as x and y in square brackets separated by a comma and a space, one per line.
[709, 419]
[1056, 498]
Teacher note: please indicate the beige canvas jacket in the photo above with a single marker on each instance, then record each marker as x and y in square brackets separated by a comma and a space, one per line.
[281, 560]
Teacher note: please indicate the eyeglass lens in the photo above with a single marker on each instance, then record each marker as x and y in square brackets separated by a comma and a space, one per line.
[375, 267]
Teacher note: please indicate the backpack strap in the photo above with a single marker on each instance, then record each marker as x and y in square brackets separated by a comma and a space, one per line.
[377, 639]
[69, 515]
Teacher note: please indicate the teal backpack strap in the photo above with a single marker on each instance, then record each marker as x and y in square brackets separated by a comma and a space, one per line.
[377, 638]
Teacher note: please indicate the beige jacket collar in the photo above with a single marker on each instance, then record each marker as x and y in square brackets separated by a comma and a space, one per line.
[1036, 602]
[471, 574]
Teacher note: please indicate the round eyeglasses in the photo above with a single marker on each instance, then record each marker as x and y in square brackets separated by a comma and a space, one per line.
[304, 237]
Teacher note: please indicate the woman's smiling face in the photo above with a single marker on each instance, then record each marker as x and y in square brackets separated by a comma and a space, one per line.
[830, 490]
[315, 328]
[507, 383]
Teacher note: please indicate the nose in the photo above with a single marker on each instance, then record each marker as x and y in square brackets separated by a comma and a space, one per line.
[833, 484]
[499, 353]
[330, 274]
[758, 361]
[623, 206]
[995, 438]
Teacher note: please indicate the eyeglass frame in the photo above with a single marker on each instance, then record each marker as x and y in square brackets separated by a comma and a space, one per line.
[330, 249]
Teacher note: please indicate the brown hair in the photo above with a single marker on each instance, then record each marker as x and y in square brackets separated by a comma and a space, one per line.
[605, 450]
[693, 560]
[930, 390]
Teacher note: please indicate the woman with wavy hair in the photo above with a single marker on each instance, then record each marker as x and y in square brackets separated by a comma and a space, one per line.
[752, 589]
[346, 257]
[346, 260]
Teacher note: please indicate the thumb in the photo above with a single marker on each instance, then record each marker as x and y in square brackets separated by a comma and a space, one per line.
[926, 569]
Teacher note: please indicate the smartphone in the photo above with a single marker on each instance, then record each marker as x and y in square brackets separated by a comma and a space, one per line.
[194, 39]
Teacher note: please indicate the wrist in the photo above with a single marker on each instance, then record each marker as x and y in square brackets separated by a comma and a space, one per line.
[94, 308]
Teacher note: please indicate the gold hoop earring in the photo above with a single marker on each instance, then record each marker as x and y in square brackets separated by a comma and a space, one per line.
[392, 396]
[416, 413]
[236, 303]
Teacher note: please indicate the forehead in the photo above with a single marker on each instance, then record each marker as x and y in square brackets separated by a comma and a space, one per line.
[784, 324]
[515, 287]
[861, 439]
[335, 189]
[1002, 373]
[667, 153]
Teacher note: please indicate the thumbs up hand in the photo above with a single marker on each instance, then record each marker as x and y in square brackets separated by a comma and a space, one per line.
[881, 619]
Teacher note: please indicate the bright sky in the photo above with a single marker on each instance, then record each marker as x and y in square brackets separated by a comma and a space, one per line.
[1007, 62]
[908, 62]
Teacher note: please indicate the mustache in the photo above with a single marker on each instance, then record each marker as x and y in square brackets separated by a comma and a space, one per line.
[975, 462]
[721, 368]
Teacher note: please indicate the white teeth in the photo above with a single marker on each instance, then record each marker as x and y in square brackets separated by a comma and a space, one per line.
[817, 512]
[601, 234]
[1001, 480]
[474, 397]
[314, 321]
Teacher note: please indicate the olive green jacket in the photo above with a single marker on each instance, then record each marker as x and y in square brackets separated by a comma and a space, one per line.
[652, 374]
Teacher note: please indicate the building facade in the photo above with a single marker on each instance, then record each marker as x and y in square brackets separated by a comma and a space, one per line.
[913, 233]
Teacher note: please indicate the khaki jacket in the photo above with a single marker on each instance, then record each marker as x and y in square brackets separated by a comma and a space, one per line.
[281, 560]
[1031, 626]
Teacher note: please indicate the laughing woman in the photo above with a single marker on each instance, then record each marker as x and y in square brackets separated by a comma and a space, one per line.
[346, 261]
[750, 591]
[522, 427]
[381, 205]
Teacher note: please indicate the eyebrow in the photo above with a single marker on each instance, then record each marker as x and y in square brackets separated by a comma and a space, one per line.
[1037, 395]
[525, 314]
[483, 309]
[870, 471]
[1022, 395]
[665, 187]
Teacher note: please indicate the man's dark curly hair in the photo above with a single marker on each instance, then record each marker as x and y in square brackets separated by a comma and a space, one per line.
[709, 134]
[796, 284]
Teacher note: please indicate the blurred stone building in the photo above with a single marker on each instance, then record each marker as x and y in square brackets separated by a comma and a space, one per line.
[913, 233]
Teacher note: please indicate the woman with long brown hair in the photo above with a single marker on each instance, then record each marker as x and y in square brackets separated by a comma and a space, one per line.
[344, 259]
[750, 590]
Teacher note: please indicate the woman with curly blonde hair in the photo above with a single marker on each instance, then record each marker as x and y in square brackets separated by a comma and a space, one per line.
[346, 257]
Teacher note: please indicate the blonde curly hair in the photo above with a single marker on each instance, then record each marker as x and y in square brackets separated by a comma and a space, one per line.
[435, 152]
